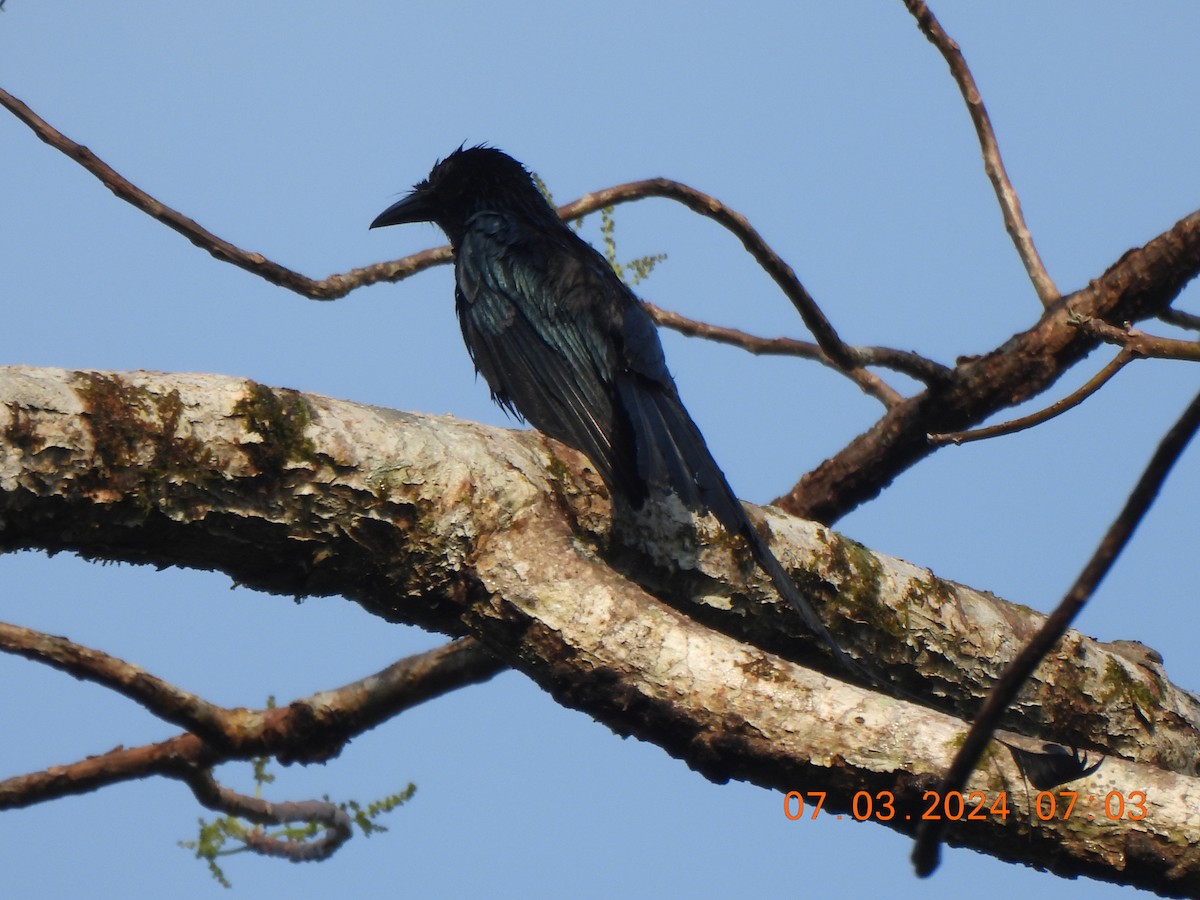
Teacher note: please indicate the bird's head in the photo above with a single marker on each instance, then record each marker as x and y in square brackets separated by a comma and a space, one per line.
[469, 180]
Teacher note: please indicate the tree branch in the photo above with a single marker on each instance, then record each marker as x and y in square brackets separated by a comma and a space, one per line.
[870, 384]
[911, 364]
[842, 355]
[1180, 318]
[163, 699]
[328, 289]
[263, 812]
[926, 851]
[1010, 204]
[503, 535]
[1072, 400]
[311, 729]
[848, 360]
[1138, 343]
[1141, 284]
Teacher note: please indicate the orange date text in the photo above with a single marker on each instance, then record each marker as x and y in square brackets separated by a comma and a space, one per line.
[974, 806]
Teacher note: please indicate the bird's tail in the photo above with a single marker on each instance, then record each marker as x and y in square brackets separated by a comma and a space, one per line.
[770, 564]
[673, 457]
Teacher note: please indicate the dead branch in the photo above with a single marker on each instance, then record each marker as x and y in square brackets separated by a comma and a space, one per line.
[327, 289]
[159, 697]
[1134, 345]
[1180, 318]
[827, 338]
[911, 364]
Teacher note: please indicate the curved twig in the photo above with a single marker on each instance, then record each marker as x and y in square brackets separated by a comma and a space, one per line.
[926, 851]
[160, 697]
[328, 289]
[912, 364]
[1010, 204]
[870, 383]
[218, 798]
[1012, 426]
[710, 207]
[840, 356]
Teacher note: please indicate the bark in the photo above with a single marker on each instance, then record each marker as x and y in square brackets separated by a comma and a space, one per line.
[1141, 284]
[505, 536]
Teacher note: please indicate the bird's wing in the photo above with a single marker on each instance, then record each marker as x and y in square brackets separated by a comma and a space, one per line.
[542, 354]
[561, 339]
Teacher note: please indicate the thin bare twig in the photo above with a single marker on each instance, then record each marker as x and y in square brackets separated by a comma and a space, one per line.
[1180, 318]
[908, 363]
[1139, 343]
[1044, 415]
[710, 207]
[842, 357]
[1010, 204]
[329, 289]
[310, 729]
[117, 765]
[162, 698]
[927, 848]
[870, 383]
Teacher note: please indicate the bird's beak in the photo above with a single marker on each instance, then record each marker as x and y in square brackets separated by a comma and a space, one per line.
[413, 208]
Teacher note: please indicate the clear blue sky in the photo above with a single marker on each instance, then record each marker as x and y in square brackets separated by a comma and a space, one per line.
[834, 127]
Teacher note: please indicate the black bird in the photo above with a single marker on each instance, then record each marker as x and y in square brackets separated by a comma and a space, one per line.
[565, 345]
[1053, 766]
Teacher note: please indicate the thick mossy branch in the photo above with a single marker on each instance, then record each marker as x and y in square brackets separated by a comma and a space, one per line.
[504, 535]
[280, 418]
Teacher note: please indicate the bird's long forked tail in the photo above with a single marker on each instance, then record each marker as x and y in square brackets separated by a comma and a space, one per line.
[773, 568]
[673, 456]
